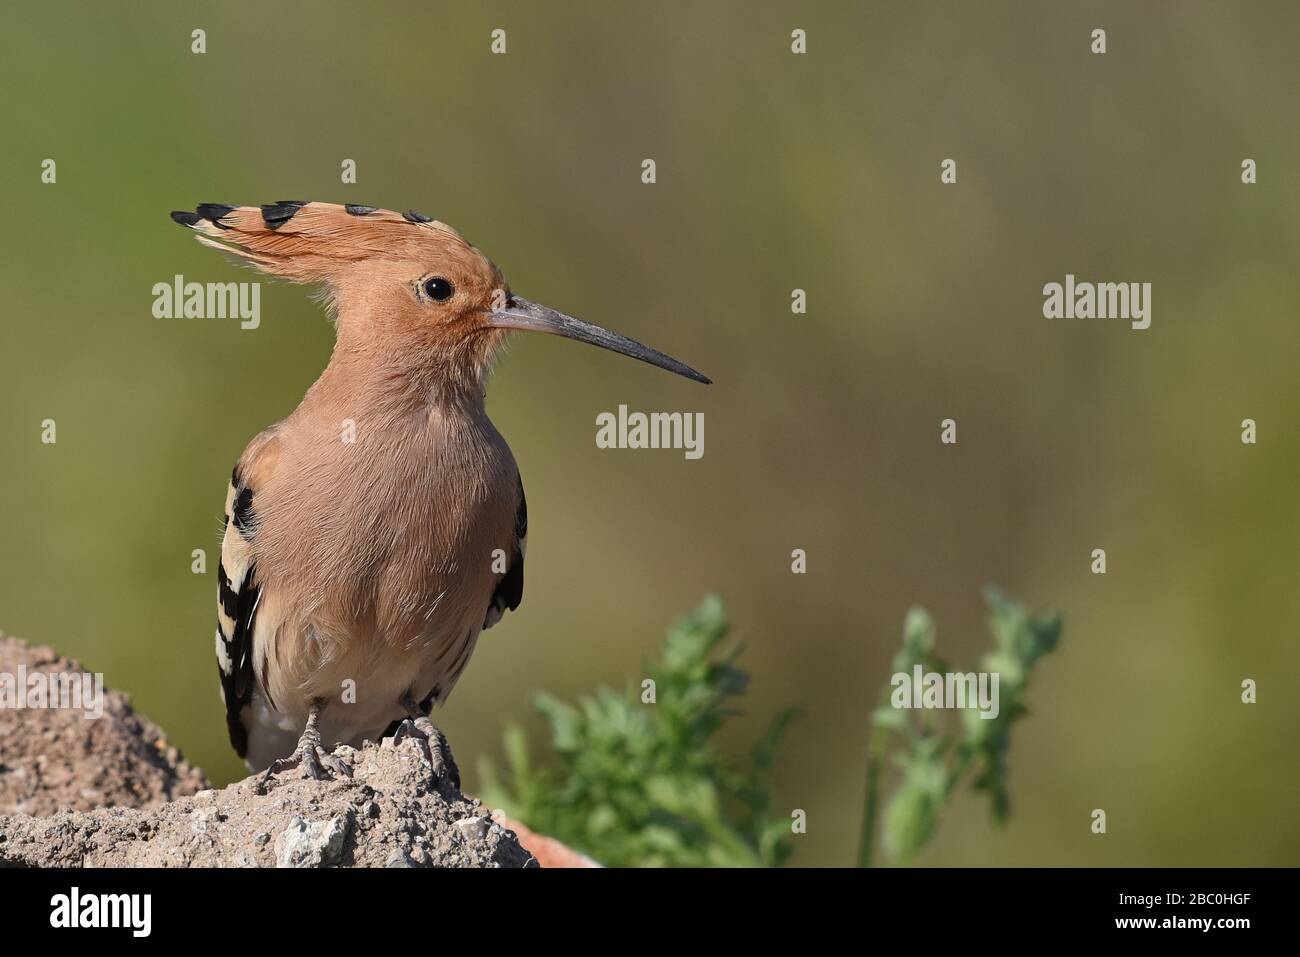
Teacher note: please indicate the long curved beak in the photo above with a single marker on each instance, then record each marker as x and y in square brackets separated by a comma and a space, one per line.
[522, 314]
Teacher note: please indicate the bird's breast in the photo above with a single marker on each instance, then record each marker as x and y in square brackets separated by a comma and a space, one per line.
[380, 556]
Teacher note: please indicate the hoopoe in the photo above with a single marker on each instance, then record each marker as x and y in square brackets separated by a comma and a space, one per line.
[372, 566]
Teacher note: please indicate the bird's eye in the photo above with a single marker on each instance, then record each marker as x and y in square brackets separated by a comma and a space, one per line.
[438, 289]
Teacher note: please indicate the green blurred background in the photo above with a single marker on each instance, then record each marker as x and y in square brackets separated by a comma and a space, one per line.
[775, 171]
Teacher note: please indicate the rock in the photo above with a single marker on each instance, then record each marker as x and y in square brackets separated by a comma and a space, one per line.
[472, 828]
[56, 758]
[398, 859]
[62, 767]
[316, 823]
[312, 843]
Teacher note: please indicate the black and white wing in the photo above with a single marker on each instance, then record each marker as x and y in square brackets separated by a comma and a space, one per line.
[238, 595]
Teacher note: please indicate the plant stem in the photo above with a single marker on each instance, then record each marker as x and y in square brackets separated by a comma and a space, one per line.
[867, 840]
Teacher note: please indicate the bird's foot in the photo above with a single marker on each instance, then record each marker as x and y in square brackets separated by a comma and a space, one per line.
[436, 750]
[321, 765]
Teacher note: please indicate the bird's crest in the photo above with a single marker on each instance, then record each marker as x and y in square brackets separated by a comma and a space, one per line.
[314, 242]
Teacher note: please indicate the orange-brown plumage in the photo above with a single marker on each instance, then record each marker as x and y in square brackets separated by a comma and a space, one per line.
[374, 532]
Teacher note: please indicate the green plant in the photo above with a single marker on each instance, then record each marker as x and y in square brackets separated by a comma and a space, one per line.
[933, 764]
[636, 781]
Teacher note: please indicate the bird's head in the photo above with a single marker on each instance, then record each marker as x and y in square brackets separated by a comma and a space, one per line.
[399, 282]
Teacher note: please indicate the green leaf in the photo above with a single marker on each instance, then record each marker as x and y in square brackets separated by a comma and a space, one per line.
[909, 821]
[636, 784]
[934, 765]
[918, 633]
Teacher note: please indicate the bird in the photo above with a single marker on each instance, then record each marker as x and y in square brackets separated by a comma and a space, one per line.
[373, 534]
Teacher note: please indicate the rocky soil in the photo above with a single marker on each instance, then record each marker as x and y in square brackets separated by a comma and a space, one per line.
[385, 815]
[52, 759]
[111, 792]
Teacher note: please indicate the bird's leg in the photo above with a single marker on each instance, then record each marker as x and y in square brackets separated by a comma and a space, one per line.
[432, 741]
[308, 754]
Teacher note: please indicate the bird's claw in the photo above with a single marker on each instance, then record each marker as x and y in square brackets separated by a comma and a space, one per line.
[320, 765]
[436, 750]
[334, 763]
